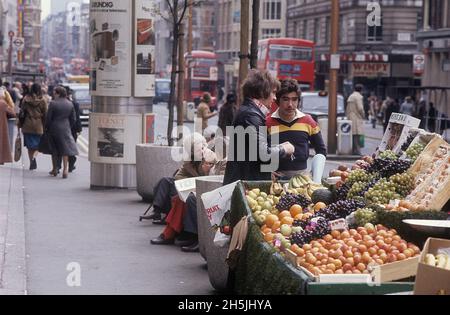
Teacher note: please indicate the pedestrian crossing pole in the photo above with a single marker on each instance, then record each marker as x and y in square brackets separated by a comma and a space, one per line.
[332, 111]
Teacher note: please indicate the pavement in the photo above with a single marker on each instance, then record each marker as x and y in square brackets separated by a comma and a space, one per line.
[54, 232]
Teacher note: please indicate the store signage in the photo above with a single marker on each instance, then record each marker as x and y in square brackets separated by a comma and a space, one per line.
[419, 64]
[371, 69]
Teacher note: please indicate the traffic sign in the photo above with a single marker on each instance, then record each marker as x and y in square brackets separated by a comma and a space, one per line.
[419, 59]
[19, 43]
[11, 34]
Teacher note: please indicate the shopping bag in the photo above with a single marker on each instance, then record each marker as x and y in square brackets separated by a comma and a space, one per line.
[18, 148]
[362, 141]
[46, 145]
[217, 205]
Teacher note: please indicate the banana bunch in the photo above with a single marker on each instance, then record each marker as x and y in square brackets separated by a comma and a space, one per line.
[303, 185]
[299, 181]
[276, 189]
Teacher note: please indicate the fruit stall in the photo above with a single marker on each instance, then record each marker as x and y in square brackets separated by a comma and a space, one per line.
[346, 235]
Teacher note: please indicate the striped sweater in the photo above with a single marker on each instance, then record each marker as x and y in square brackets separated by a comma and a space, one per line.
[302, 132]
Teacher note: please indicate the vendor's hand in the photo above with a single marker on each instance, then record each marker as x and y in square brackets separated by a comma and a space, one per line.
[289, 149]
[276, 176]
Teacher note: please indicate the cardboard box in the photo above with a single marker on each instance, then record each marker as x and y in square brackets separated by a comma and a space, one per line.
[432, 280]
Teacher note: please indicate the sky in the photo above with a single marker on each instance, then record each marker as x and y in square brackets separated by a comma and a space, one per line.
[46, 5]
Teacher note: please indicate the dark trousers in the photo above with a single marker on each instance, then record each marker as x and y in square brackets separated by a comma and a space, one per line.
[162, 195]
[72, 160]
[190, 218]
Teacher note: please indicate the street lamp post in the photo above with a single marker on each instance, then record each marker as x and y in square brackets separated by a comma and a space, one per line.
[10, 50]
[332, 112]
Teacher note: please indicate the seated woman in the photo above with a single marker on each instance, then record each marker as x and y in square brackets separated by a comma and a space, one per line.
[177, 213]
[165, 190]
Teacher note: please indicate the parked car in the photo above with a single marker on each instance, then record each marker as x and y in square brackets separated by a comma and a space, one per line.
[316, 104]
[82, 95]
[162, 92]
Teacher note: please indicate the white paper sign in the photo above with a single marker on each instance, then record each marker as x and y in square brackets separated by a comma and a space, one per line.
[145, 49]
[110, 33]
[113, 138]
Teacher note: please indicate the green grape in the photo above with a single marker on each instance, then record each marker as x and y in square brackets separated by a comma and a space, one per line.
[414, 151]
[389, 155]
[364, 216]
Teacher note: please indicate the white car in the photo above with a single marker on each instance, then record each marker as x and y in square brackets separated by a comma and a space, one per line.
[316, 104]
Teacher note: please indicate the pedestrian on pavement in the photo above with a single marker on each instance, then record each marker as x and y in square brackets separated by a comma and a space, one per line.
[289, 124]
[76, 129]
[175, 232]
[355, 113]
[422, 113]
[6, 111]
[258, 91]
[373, 104]
[204, 111]
[407, 107]
[33, 111]
[165, 190]
[227, 112]
[432, 115]
[60, 121]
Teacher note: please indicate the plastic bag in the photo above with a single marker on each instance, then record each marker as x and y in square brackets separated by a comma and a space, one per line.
[217, 205]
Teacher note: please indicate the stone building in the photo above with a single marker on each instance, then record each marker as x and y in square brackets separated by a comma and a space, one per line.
[379, 56]
[434, 38]
[31, 32]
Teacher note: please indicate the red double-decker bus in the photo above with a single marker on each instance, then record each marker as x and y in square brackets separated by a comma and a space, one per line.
[202, 66]
[288, 58]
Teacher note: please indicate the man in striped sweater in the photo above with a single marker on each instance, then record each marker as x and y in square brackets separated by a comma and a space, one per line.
[291, 125]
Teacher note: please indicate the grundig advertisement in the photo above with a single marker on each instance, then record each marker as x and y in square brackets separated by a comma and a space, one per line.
[145, 49]
[113, 138]
[110, 33]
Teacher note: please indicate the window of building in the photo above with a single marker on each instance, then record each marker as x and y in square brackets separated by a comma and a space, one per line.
[271, 33]
[316, 30]
[305, 29]
[375, 33]
[343, 29]
[327, 29]
[272, 10]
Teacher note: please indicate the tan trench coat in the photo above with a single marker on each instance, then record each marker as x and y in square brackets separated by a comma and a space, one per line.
[355, 112]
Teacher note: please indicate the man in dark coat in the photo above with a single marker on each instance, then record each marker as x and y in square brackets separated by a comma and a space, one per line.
[259, 92]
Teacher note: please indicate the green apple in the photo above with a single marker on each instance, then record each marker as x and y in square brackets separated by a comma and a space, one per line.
[265, 212]
[257, 213]
[258, 208]
[252, 195]
[260, 220]
[286, 230]
[264, 195]
[256, 191]
[267, 205]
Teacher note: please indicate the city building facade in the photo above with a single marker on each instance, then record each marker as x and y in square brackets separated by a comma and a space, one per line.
[434, 38]
[30, 30]
[203, 33]
[379, 56]
[9, 23]
[65, 36]
[272, 25]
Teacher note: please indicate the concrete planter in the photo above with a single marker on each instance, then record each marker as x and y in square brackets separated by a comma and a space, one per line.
[154, 162]
[215, 256]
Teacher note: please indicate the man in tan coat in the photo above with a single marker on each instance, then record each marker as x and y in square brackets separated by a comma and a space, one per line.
[355, 113]
[204, 112]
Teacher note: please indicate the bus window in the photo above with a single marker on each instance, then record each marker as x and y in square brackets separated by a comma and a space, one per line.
[279, 52]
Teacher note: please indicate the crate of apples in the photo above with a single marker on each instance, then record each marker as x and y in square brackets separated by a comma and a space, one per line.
[354, 251]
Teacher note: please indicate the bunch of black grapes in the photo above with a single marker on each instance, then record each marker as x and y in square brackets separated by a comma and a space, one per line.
[287, 201]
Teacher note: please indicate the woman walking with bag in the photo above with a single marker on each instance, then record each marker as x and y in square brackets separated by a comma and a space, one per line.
[33, 111]
[60, 119]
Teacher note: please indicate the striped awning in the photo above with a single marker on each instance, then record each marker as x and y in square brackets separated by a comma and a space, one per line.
[359, 57]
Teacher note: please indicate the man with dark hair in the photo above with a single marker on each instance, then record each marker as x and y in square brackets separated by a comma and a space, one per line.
[291, 125]
[355, 113]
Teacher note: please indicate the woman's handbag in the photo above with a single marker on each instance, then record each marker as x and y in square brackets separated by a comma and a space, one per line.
[46, 145]
[18, 148]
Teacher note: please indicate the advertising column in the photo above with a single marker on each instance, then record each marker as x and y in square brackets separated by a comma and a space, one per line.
[122, 85]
